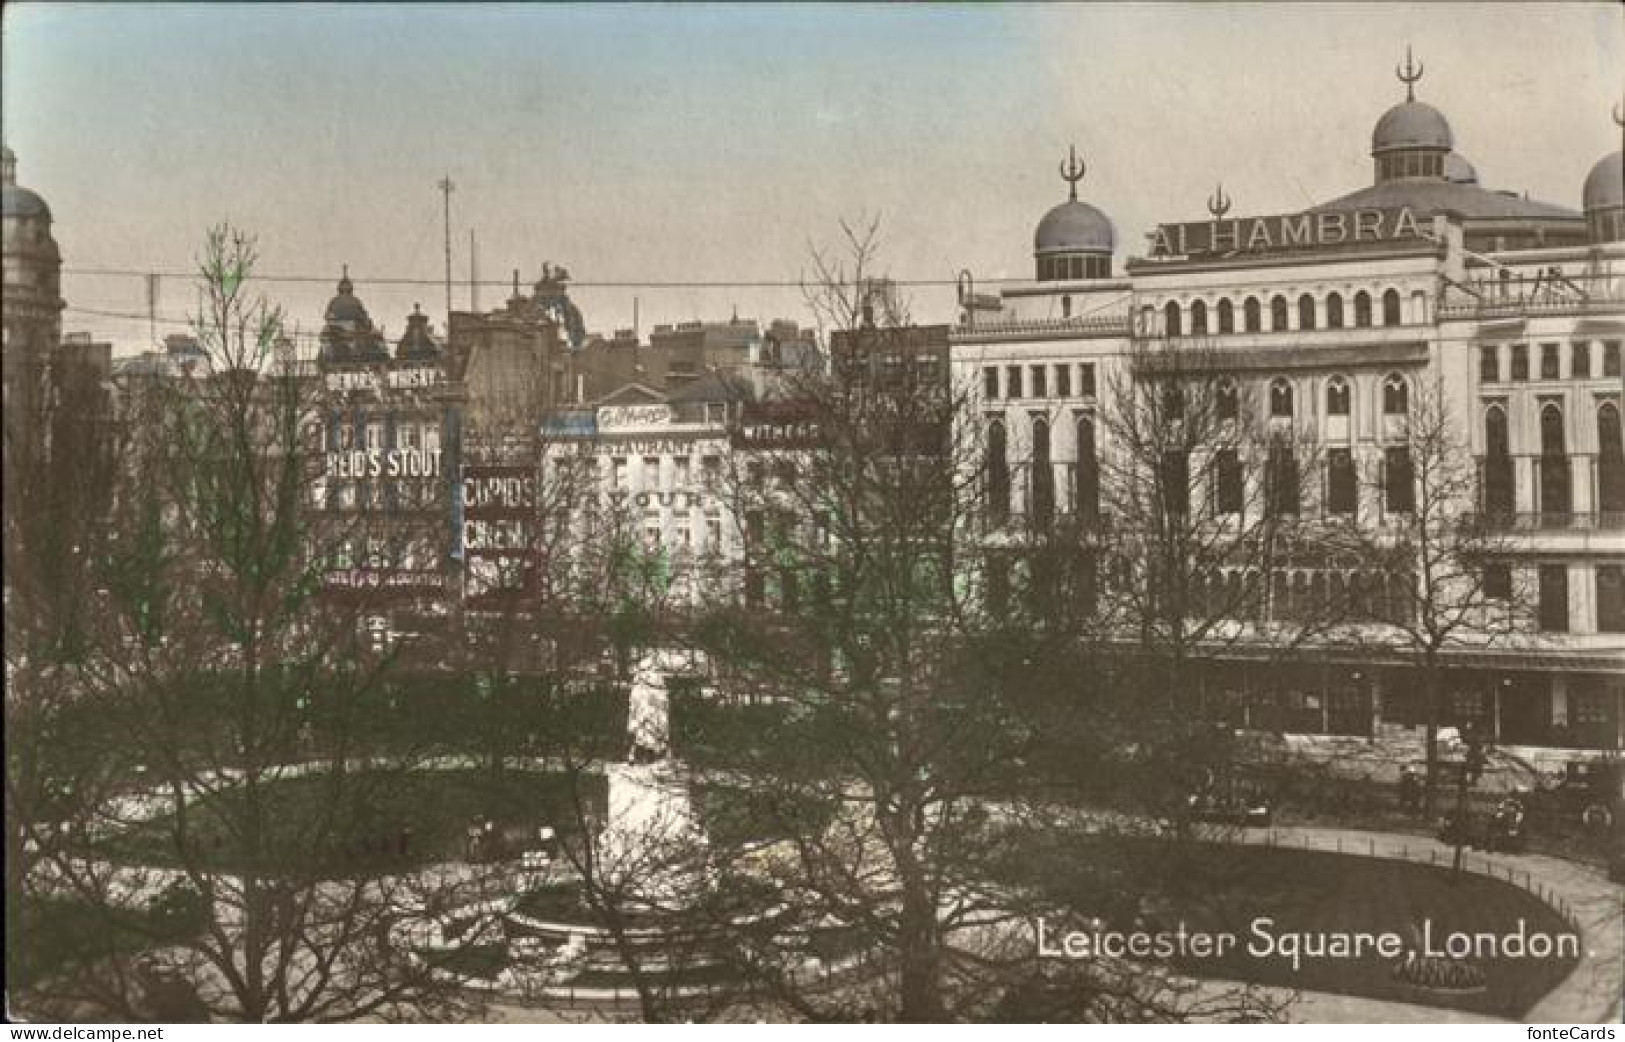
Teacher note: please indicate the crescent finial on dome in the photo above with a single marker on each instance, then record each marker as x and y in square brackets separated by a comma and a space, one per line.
[1409, 73]
[1072, 171]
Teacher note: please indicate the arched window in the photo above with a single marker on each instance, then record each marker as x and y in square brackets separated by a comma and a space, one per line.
[1362, 308]
[998, 473]
[1170, 319]
[1610, 462]
[1086, 487]
[1337, 397]
[1199, 318]
[1278, 321]
[1226, 404]
[1334, 311]
[1252, 315]
[1390, 308]
[1043, 474]
[1498, 473]
[1227, 316]
[1554, 465]
[1280, 398]
[1395, 396]
[1306, 312]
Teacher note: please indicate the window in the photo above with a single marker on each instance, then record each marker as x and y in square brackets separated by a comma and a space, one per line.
[711, 472]
[1610, 463]
[679, 471]
[1199, 319]
[1390, 308]
[1342, 495]
[1226, 404]
[1040, 374]
[1282, 479]
[1170, 320]
[1554, 598]
[1580, 360]
[1549, 364]
[1520, 361]
[1362, 308]
[1228, 482]
[1489, 365]
[619, 470]
[1086, 379]
[990, 383]
[1066, 306]
[651, 472]
[1086, 487]
[997, 473]
[1337, 397]
[1610, 598]
[1173, 401]
[1251, 315]
[1334, 311]
[1280, 398]
[1012, 381]
[1399, 480]
[1395, 396]
[1498, 473]
[1610, 358]
[1498, 581]
[1278, 321]
[1227, 316]
[1063, 381]
[1043, 474]
[1306, 312]
[375, 437]
[1554, 463]
[1174, 484]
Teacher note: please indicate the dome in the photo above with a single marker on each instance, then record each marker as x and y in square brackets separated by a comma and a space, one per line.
[346, 308]
[1605, 185]
[1411, 124]
[1458, 170]
[16, 201]
[1074, 227]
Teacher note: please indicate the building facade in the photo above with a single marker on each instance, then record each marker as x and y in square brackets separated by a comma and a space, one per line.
[1330, 324]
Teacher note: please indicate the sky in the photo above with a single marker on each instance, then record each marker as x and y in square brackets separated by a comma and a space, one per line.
[720, 144]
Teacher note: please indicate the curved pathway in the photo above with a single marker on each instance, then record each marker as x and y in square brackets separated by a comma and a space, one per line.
[1592, 993]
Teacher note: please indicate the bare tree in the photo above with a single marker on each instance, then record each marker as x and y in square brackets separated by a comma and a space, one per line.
[1456, 588]
[251, 852]
[1204, 503]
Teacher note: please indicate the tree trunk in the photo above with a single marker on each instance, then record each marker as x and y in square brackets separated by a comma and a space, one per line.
[1431, 689]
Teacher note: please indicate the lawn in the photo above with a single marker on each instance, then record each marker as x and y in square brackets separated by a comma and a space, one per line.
[1222, 888]
[374, 821]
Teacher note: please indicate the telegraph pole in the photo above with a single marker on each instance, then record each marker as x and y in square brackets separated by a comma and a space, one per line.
[446, 187]
[473, 274]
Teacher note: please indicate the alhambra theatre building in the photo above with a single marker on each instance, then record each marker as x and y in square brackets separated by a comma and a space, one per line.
[1332, 318]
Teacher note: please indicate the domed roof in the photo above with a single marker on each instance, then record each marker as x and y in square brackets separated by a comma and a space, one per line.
[346, 308]
[416, 343]
[1411, 124]
[16, 201]
[1458, 170]
[1605, 185]
[1074, 227]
